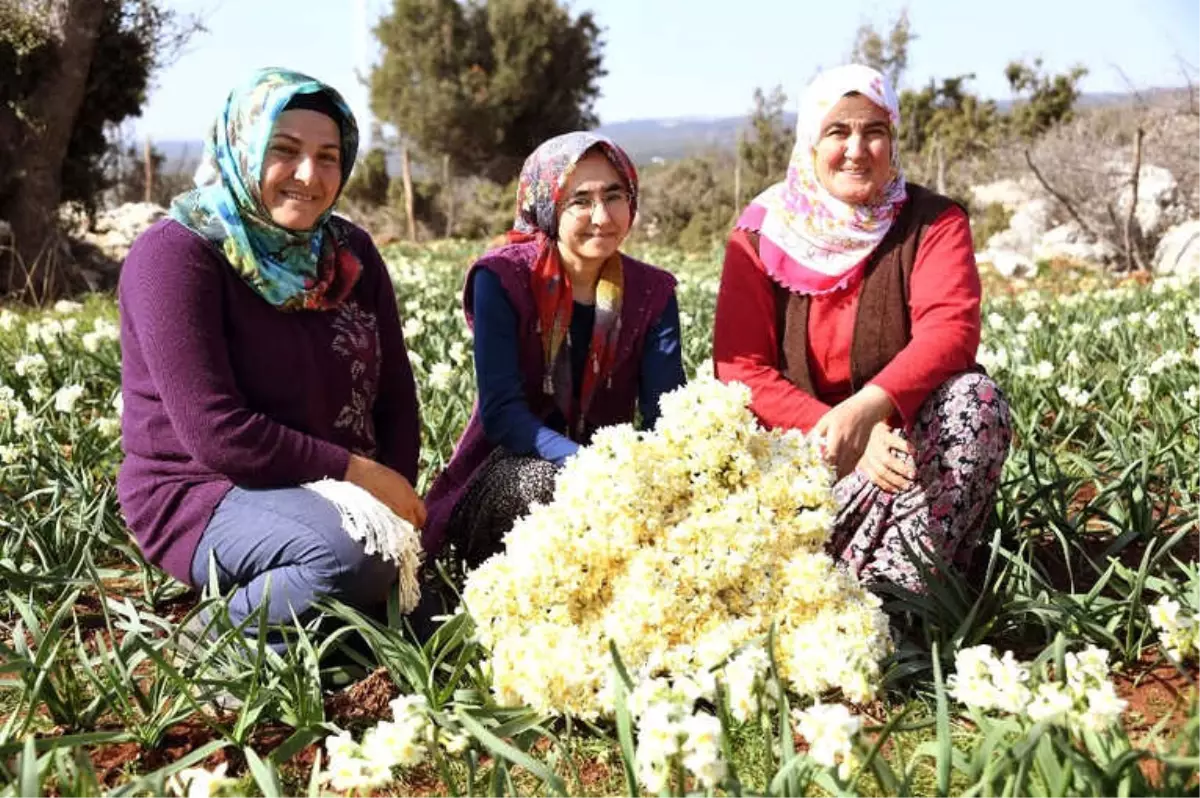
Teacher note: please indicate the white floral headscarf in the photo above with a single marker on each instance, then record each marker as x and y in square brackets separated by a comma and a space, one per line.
[810, 241]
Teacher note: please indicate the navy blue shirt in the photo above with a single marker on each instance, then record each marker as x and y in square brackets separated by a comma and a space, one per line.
[507, 419]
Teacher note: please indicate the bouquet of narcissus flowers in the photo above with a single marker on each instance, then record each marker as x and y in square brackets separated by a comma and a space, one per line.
[677, 545]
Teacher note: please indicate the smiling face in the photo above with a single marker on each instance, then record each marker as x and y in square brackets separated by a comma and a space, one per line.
[302, 170]
[853, 154]
[595, 213]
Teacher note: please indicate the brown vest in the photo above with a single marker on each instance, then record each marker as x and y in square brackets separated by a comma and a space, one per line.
[882, 326]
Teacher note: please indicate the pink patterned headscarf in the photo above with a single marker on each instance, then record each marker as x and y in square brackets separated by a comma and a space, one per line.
[811, 242]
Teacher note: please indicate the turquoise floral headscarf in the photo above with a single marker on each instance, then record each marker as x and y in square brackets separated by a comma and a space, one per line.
[293, 270]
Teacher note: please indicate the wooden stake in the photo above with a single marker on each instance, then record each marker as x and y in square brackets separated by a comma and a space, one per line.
[1133, 233]
[449, 189]
[737, 176]
[409, 211]
[148, 164]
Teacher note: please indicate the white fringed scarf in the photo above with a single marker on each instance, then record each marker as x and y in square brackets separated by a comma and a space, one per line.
[372, 523]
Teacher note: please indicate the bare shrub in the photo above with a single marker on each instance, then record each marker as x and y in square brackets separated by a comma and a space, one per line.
[1087, 164]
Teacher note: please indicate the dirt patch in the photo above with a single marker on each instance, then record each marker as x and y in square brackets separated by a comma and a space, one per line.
[1156, 690]
[113, 759]
[593, 773]
[419, 781]
[1086, 560]
[366, 700]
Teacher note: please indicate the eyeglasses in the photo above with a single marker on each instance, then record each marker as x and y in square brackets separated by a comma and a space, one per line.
[584, 206]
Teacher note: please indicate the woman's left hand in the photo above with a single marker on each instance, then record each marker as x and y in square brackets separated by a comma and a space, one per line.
[846, 427]
[888, 460]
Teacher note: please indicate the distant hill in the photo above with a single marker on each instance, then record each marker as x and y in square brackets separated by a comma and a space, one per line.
[648, 140]
[668, 139]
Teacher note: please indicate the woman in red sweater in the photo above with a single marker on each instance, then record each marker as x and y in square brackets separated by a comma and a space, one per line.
[849, 303]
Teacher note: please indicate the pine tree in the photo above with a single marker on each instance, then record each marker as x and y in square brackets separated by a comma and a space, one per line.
[482, 83]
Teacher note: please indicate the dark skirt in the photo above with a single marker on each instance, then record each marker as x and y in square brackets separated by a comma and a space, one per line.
[501, 491]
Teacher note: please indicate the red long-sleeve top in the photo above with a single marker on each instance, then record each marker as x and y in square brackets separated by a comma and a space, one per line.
[943, 302]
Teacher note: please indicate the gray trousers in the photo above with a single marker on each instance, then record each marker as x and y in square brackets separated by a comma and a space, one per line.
[294, 538]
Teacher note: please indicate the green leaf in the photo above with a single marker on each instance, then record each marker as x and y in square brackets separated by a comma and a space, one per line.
[943, 726]
[264, 774]
[506, 751]
[879, 766]
[795, 771]
[314, 778]
[297, 742]
[624, 723]
[44, 744]
[30, 782]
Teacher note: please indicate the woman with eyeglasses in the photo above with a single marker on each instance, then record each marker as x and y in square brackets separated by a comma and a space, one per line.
[570, 335]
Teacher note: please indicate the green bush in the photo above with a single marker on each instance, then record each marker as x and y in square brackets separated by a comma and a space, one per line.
[992, 219]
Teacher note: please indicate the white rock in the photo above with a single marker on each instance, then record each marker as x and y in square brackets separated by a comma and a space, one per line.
[1033, 218]
[1029, 223]
[5, 230]
[1008, 263]
[117, 228]
[1157, 193]
[130, 219]
[1179, 250]
[1071, 241]
[1011, 194]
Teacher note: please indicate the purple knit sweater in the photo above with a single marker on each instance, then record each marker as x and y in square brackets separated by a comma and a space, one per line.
[223, 389]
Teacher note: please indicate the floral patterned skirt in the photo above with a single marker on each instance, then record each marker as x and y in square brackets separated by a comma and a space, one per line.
[962, 434]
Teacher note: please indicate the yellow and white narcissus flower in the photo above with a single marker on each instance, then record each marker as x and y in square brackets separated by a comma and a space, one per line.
[66, 397]
[1179, 634]
[830, 730]
[440, 376]
[201, 783]
[743, 677]
[102, 330]
[1084, 699]
[29, 364]
[678, 545]
[1074, 396]
[400, 742]
[670, 735]
[1139, 388]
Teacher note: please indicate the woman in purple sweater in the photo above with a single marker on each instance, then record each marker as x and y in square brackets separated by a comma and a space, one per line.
[570, 335]
[262, 351]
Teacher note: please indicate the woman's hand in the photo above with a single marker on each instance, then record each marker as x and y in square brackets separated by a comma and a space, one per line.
[388, 486]
[847, 427]
[888, 460]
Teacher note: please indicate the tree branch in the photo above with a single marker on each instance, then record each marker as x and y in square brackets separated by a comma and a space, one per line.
[1187, 70]
[1066, 203]
[1137, 95]
[1133, 232]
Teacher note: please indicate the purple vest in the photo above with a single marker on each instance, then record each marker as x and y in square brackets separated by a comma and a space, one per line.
[646, 292]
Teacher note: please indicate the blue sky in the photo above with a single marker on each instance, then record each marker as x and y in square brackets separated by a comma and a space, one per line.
[675, 58]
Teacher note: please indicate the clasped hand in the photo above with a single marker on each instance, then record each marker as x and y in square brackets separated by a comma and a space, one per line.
[856, 433]
[388, 486]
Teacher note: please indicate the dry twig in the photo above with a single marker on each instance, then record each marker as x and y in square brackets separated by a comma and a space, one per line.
[1133, 232]
[1066, 203]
